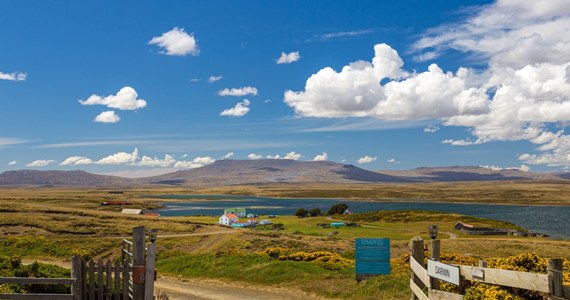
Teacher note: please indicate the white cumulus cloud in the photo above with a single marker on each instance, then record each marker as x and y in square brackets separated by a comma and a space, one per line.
[197, 162]
[12, 163]
[287, 58]
[292, 155]
[120, 158]
[431, 129]
[147, 161]
[213, 78]
[522, 168]
[355, 91]
[366, 159]
[228, 155]
[107, 117]
[176, 42]
[240, 110]
[523, 94]
[239, 92]
[125, 99]
[15, 76]
[40, 163]
[76, 161]
[254, 156]
[393, 161]
[321, 157]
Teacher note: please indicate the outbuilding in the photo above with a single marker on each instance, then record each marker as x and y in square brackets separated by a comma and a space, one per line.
[240, 212]
[131, 211]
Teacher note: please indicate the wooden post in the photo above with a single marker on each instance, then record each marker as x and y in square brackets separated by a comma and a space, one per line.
[126, 279]
[83, 279]
[76, 288]
[417, 248]
[149, 277]
[117, 294]
[435, 255]
[108, 280]
[555, 267]
[91, 280]
[100, 287]
[138, 262]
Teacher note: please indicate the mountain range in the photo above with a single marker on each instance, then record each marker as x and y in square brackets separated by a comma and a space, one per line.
[252, 172]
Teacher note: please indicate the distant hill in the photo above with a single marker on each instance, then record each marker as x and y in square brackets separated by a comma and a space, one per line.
[59, 179]
[239, 172]
[234, 172]
[470, 173]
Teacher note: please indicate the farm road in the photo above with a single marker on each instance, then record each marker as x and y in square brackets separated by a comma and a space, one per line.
[177, 289]
[197, 289]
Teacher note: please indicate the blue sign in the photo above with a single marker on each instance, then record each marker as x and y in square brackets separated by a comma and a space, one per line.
[372, 256]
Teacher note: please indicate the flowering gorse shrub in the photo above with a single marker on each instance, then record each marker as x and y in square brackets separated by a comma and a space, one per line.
[329, 258]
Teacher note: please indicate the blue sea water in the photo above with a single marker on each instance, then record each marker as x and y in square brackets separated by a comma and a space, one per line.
[551, 220]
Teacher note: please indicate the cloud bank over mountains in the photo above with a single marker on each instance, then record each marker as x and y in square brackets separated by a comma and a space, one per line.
[523, 94]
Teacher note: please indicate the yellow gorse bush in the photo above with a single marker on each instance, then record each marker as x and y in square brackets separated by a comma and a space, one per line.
[316, 256]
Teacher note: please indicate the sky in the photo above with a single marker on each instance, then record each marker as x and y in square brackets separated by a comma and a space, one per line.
[137, 88]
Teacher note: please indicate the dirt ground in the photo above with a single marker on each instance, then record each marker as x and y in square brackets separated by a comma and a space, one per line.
[182, 289]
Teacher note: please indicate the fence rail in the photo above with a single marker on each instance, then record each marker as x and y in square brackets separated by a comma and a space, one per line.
[131, 277]
[549, 284]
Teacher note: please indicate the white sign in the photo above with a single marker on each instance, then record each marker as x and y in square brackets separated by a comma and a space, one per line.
[443, 271]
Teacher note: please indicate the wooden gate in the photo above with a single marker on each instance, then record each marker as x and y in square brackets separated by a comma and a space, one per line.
[550, 285]
[130, 277]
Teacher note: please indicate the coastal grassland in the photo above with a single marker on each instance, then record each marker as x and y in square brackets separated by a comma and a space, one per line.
[62, 223]
[58, 223]
[489, 192]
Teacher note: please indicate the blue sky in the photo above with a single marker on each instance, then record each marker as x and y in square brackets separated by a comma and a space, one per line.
[137, 87]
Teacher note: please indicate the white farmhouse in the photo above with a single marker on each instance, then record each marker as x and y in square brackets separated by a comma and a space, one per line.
[228, 219]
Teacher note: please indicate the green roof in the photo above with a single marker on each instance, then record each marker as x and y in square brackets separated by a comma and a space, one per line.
[231, 210]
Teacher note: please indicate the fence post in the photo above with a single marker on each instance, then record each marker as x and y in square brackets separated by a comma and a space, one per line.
[100, 285]
[417, 248]
[76, 288]
[555, 267]
[126, 279]
[149, 278]
[91, 280]
[435, 255]
[138, 262]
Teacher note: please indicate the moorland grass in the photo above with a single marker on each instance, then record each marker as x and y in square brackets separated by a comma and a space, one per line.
[59, 223]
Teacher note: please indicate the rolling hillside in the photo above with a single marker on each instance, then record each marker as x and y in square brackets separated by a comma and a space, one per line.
[234, 172]
[251, 172]
[59, 179]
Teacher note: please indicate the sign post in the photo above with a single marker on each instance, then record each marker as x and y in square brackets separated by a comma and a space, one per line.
[443, 271]
[372, 257]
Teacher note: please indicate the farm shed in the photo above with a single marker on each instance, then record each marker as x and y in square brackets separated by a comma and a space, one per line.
[131, 211]
[337, 224]
[240, 212]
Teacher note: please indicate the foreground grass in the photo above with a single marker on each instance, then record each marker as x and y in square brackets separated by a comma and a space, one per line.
[333, 279]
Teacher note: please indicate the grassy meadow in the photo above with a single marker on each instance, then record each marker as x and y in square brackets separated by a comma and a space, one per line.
[54, 224]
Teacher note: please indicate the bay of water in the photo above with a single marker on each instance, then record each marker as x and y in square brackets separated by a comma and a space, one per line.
[551, 220]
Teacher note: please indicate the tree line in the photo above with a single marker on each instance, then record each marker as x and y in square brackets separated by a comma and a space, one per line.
[337, 209]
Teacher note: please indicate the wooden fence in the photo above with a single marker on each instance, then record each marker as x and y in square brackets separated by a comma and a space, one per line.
[550, 285]
[131, 277]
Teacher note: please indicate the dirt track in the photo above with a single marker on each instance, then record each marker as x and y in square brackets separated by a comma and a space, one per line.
[177, 289]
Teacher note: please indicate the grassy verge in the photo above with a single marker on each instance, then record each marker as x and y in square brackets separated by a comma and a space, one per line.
[329, 277]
